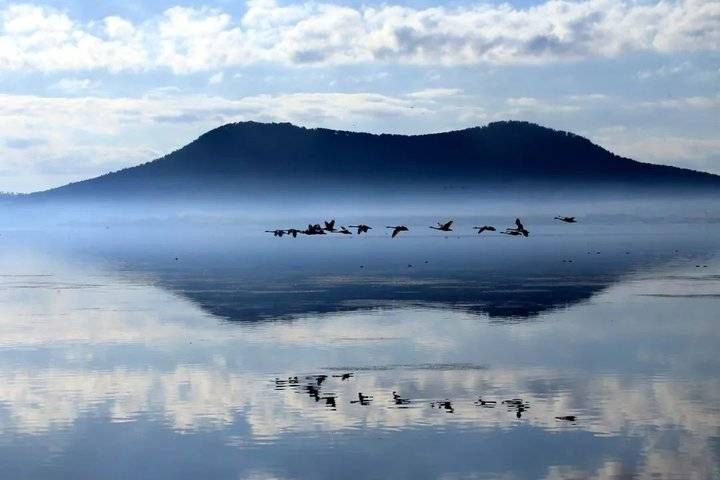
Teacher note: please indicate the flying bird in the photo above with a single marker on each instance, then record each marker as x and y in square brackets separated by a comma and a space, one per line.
[519, 228]
[444, 227]
[329, 226]
[276, 233]
[361, 228]
[566, 219]
[314, 230]
[397, 229]
[344, 231]
[485, 228]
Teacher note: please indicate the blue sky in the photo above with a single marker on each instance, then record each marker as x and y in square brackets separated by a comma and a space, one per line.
[88, 87]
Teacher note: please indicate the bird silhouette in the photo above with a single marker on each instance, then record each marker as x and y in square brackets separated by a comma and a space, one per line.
[344, 231]
[363, 399]
[444, 227]
[518, 230]
[361, 228]
[486, 403]
[446, 404]
[292, 231]
[314, 230]
[330, 226]
[567, 418]
[397, 229]
[518, 405]
[344, 376]
[566, 219]
[399, 400]
[276, 233]
[313, 391]
[485, 228]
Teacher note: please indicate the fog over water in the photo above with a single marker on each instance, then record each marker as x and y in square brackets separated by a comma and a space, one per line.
[150, 347]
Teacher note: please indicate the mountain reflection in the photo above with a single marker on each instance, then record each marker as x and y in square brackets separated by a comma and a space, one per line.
[503, 279]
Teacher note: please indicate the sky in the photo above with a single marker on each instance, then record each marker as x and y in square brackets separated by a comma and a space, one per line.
[89, 87]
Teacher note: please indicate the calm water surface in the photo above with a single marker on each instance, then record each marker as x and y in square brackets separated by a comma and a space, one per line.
[162, 353]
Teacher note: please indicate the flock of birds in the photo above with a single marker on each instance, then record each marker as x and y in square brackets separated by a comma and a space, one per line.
[329, 227]
[313, 388]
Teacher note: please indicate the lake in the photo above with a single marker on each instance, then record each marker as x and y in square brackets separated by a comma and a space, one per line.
[157, 351]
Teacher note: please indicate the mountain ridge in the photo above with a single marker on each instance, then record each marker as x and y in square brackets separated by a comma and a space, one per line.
[248, 155]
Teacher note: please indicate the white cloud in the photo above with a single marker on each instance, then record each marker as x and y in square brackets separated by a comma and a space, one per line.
[185, 39]
[434, 93]
[665, 71]
[685, 103]
[216, 78]
[520, 106]
[74, 85]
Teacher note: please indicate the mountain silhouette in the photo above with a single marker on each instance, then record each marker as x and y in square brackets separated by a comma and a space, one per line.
[249, 155]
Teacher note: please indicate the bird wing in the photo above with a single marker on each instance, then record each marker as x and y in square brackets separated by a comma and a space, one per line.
[519, 224]
[395, 232]
[448, 224]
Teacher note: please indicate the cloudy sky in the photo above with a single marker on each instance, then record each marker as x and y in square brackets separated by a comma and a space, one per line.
[87, 87]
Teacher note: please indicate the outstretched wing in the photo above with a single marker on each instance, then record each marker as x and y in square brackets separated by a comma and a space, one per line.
[395, 232]
[448, 225]
[519, 224]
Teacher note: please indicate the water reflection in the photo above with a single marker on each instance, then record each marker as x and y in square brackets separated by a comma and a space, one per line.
[108, 370]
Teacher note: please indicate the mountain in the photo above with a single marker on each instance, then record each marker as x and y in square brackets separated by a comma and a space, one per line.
[250, 156]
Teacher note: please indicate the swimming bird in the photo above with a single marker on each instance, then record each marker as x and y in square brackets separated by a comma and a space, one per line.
[362, 228]
[397, 229]
[344, 376]
[485, 228]
[329, 226]
[444, 227]
[276, 233]
[567, 418]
